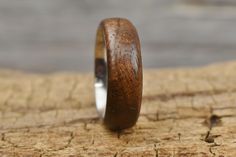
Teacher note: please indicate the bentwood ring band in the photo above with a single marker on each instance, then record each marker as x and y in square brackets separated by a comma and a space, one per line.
[118, 73]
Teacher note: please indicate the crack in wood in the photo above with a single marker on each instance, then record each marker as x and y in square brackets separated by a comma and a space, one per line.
[166, 97]
[156, 150]
[4, 139]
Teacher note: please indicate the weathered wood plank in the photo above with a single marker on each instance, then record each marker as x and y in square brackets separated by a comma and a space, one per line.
[185, 112]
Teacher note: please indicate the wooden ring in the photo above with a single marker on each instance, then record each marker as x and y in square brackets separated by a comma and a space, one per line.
[118, 73]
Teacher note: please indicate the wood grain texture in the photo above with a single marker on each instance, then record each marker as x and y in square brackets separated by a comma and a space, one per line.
[124, 72]
[185, 112]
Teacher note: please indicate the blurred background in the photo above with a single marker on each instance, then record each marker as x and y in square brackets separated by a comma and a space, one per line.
[59, 35]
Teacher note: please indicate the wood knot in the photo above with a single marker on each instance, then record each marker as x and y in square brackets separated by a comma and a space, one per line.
[212, 121]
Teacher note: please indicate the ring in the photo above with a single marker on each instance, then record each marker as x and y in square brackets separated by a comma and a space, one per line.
[118, 73]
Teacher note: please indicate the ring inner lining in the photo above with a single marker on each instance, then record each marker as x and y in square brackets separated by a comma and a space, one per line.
[100, 73]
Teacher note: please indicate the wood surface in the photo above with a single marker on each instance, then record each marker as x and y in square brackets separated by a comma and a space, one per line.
[124, 73]
[185, 112]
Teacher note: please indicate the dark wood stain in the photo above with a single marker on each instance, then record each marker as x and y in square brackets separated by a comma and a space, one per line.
[124, 75]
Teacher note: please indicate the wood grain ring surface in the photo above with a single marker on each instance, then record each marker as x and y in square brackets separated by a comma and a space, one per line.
[118, 65]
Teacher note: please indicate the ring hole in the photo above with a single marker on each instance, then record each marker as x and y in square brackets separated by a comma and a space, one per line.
[100, 73]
